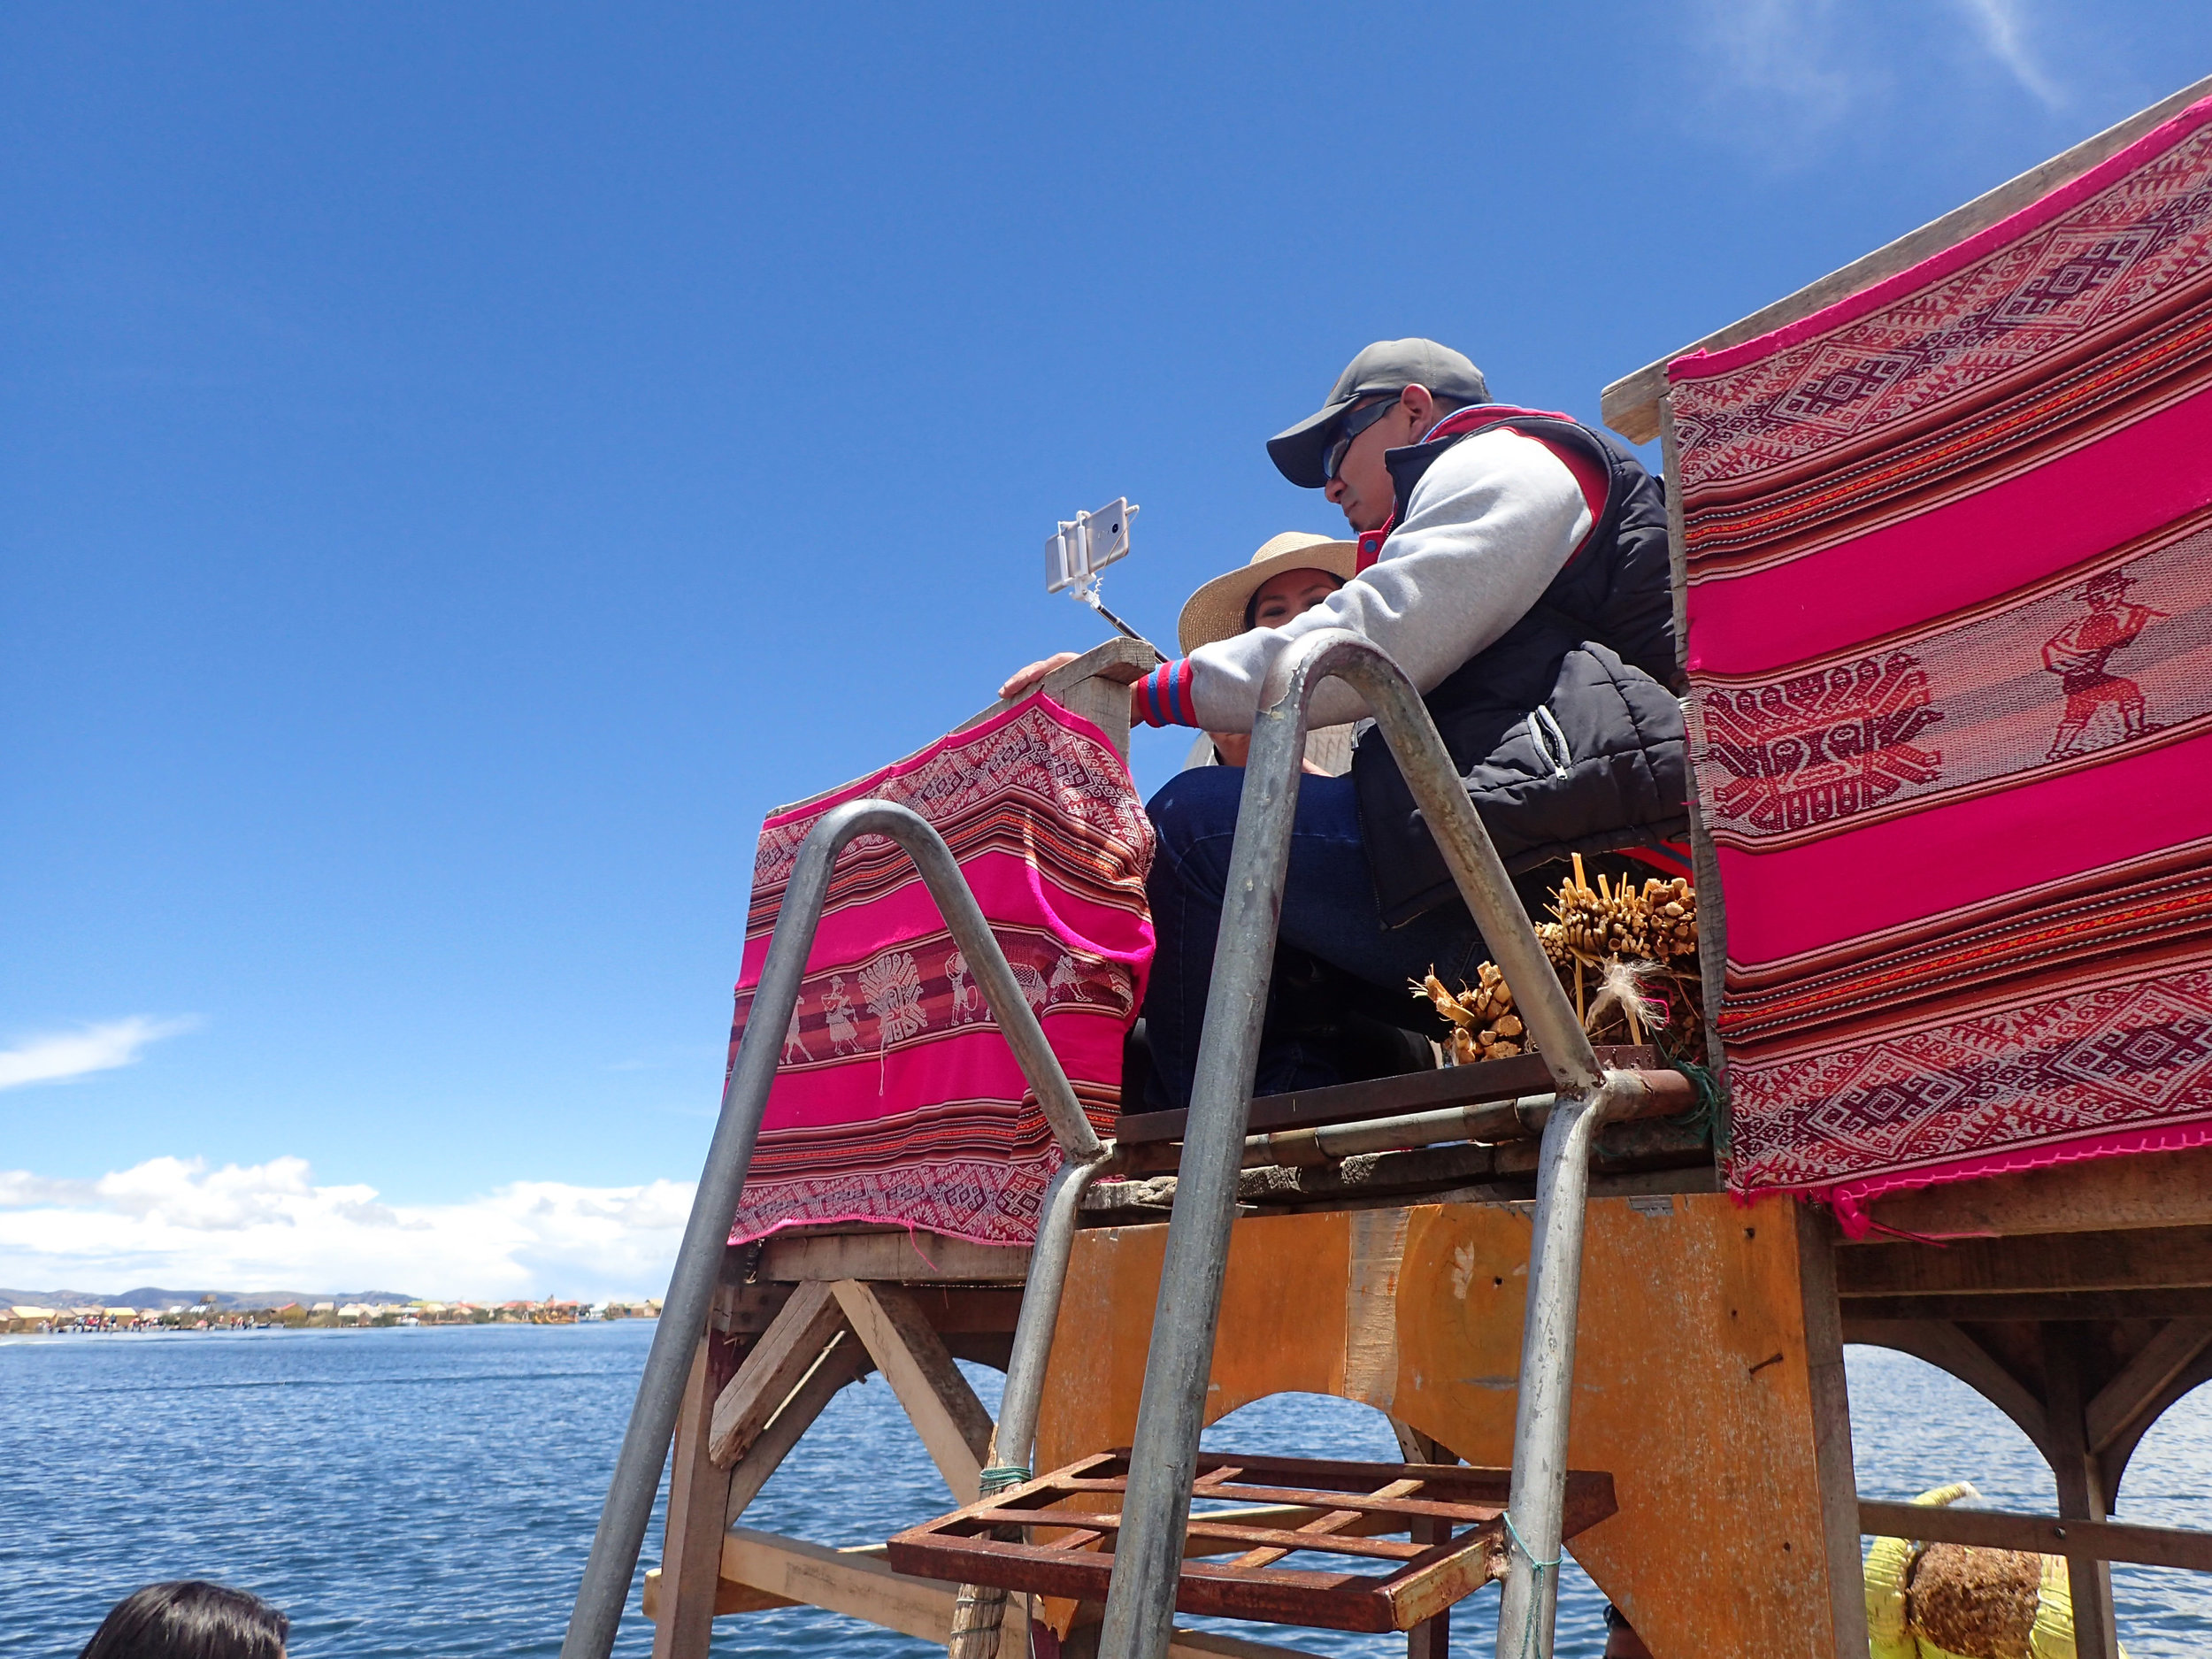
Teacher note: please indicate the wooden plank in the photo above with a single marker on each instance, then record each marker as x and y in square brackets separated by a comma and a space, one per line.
[697, 1492]
[729, 1597]
[784, 1354]
[1384, 1097]
[1630, 405]
[2144, 1189]
[844, 1361]
[897, 1255]
[863, 1587]
[2157, 1258]
[2120, 1404]
[2044, 1534]
[953, 1424]
[2034, 1307]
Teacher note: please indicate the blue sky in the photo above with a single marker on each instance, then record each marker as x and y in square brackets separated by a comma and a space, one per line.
[462, 465]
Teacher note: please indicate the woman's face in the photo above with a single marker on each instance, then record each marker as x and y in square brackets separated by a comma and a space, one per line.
[1288, 594]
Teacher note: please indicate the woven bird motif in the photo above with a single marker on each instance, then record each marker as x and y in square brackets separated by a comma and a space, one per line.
[1822, 746]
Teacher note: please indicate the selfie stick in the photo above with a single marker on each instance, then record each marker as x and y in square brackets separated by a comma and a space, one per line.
[1081, 547]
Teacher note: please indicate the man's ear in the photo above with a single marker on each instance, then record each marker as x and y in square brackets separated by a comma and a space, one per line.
[1421, 404]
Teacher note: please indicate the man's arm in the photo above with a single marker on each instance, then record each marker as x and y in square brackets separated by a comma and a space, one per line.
[1490, 523]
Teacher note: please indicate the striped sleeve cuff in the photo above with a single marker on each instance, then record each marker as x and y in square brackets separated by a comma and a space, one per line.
[1163, 696]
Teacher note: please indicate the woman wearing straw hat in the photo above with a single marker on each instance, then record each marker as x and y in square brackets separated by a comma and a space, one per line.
[1290, 574]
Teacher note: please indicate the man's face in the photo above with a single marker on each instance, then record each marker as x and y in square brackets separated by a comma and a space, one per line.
[1362, 486]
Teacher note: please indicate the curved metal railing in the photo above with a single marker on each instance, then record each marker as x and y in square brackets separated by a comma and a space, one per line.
[620, 1536]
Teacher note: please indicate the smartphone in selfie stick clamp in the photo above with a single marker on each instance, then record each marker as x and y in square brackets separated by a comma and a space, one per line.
[1084, 545]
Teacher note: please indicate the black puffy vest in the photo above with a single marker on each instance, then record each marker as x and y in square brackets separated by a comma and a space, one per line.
[1563, 729]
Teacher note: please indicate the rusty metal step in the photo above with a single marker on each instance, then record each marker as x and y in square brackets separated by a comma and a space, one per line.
[1055, 1536]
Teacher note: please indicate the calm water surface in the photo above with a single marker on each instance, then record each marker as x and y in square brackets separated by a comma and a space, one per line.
[429, 1492]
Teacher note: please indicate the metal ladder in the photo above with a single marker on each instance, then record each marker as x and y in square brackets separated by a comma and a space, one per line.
[615, 1546]
[1148, 1557]
[1140, 1605]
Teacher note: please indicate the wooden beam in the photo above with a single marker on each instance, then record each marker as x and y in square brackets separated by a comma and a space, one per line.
[860, 1585]
[1631, 405]
[784, 1355]
[2158, 1258]
[2144, 1189]
[729, 1596]
[843, 1361]
[2043, 1534]
[1946, 1346]
[697, 1492]
[952, 1422]
[904, 1257]
[2118, 1406]
[2034, 1306]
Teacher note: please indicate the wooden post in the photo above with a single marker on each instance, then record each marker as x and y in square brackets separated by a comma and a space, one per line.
[2081, 1494]
[1830, 1403]
[1432, 1637]
[698, 1494]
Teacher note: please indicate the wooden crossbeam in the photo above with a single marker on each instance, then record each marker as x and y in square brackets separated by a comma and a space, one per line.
[859, 1585]
[2155, 1258]
[954, 1426]
[2039, 1534]
[785, 1353]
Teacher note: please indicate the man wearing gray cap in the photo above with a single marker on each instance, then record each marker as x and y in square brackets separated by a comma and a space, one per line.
[1513, 563]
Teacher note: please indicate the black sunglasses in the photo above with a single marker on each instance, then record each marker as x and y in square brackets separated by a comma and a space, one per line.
[1347, 429]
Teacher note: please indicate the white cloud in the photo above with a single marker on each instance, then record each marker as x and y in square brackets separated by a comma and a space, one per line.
[2002, 27]
[61, 1055]
[176, 1222]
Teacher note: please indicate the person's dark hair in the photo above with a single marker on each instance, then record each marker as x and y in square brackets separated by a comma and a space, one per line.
[1253, 604]
[189, 1619]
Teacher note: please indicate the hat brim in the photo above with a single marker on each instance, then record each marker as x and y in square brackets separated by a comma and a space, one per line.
[1215, 611]
[1297, 452]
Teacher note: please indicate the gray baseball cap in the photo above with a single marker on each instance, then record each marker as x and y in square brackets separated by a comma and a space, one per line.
[1388, 365]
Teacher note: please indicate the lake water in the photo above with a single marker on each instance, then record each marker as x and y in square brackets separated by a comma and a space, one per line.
[420, 1494]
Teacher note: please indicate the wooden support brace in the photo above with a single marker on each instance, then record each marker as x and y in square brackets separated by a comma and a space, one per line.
[859, 1585]
[2039, 1534]
[953, 1424]
[843, 1361]
[785, 1353]
[2120, 1404]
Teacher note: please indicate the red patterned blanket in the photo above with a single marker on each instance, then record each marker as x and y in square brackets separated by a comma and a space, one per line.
[1950, 560]
[897, 1100]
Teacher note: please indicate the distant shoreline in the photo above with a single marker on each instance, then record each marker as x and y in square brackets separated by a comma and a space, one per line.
[207, 1316]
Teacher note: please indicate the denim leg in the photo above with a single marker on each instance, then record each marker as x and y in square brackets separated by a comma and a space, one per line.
[1328, 911]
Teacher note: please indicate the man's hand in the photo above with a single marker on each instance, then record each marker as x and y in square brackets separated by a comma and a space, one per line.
[1023, 681]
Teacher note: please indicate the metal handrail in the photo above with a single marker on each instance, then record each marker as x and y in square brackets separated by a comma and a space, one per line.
[615, 1546]
[1148, 1555]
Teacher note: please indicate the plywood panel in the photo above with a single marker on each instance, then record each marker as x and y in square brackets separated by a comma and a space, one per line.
[1692, 1386]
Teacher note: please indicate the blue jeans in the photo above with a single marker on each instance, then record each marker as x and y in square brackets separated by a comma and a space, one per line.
[1329, 912]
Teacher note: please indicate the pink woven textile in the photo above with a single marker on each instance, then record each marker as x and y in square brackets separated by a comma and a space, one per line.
[897, 1101]
[1950, 559]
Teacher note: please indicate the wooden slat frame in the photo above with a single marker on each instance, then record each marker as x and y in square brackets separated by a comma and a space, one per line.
[1353, 1500]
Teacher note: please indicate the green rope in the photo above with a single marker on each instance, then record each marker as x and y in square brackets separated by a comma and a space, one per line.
[1709, 1115]
[1536, 1584]
[999, 1477]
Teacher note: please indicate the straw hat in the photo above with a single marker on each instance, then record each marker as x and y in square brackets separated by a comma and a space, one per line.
[1215, 611]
